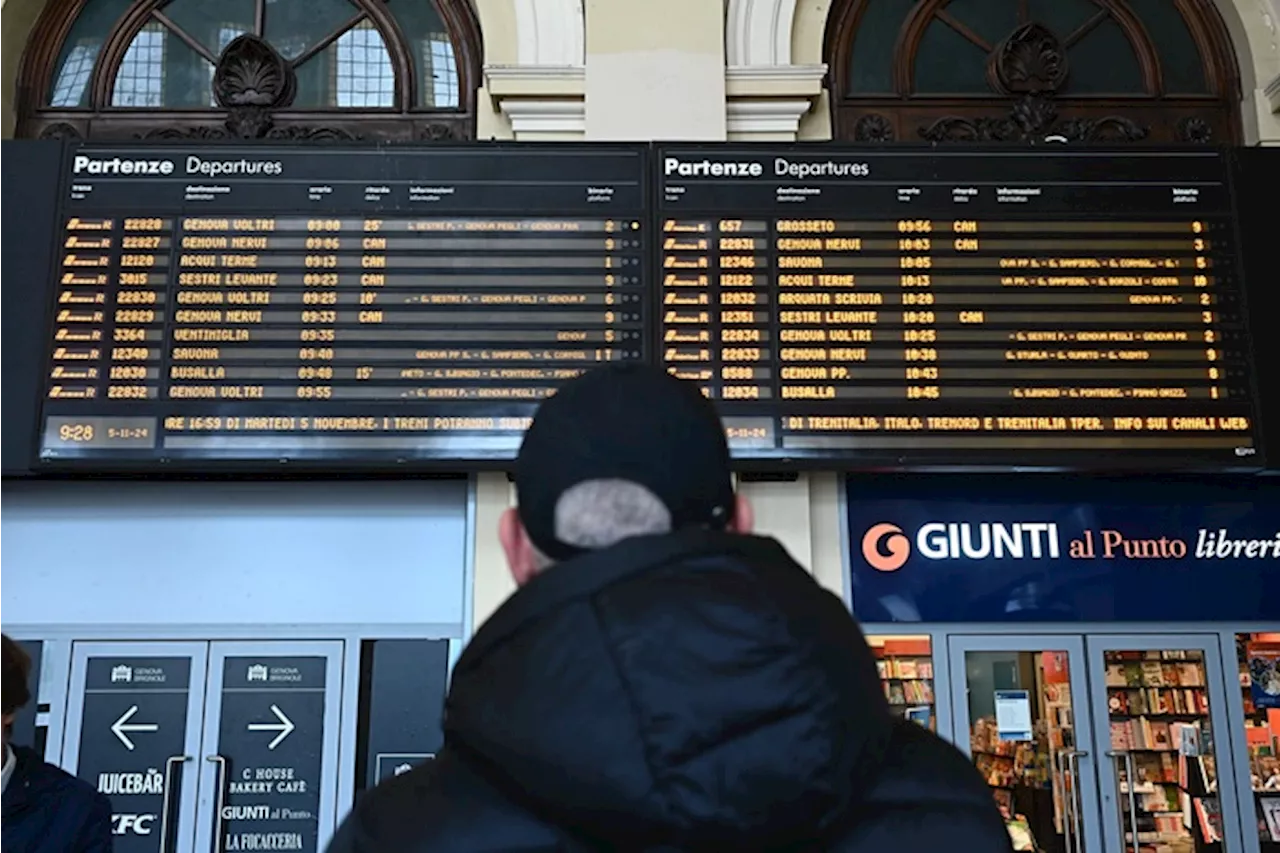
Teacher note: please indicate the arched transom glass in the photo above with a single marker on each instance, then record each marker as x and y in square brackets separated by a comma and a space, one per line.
[1130, 70]
[338, 53]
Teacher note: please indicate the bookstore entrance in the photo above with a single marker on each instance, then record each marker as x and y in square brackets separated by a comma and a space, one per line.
[1099, 742]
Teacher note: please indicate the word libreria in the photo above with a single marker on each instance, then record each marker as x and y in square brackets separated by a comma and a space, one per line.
[1041, 540]
[85, 164]
[782, 168]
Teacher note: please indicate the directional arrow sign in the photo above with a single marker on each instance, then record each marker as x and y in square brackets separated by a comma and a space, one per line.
[122, 725]
[284, 727]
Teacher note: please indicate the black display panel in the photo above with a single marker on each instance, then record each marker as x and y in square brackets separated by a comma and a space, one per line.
[341, 306]
[1257, 187]
[947, 308]
[30, 175]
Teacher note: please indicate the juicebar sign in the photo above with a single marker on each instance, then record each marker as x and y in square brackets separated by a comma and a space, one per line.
[271, 736]
[1012, 559]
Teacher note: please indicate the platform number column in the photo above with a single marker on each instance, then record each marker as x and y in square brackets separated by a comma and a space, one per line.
[1205, 298]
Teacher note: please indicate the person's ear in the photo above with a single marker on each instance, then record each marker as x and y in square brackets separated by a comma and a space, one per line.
[8, 719]
[516, 545]
[744, 517]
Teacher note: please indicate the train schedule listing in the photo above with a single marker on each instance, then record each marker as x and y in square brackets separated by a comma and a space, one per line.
[399, 326]
[956, 307]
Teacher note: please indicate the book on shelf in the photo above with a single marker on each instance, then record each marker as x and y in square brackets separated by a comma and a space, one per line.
[1209, 818]
[1270, 809]
[905, 668]
[1154, 673]
[1186, 701]
[900, 692]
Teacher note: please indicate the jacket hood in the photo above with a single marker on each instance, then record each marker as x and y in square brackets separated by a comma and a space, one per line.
[697, 689]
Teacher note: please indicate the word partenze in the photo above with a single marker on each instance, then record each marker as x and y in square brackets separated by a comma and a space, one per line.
[194, 166]
[782, 168]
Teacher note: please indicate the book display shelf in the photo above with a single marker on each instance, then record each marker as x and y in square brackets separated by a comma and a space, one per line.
[1258, 656]
[1158, 708]
[905, 665]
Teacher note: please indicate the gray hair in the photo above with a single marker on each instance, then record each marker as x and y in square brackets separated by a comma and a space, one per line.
[599, 513]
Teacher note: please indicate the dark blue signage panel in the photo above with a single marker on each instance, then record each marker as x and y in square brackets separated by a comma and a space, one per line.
[271, 734]
[1047, 550]
[405, 702]
[135, 718]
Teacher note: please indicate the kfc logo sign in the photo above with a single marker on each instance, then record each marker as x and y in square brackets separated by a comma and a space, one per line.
[131, 824]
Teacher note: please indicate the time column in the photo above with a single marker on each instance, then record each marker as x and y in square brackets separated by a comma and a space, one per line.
[138, 315]
[742, 266]
[919, 319]
[319, 313]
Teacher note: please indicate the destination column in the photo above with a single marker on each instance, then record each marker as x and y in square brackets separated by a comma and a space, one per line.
[225, 281]
[271, 736]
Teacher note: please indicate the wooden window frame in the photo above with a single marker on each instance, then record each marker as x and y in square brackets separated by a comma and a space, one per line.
[1037, 113]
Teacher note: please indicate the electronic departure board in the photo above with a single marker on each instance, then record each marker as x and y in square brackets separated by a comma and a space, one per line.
[362, 305]
[1040, 308]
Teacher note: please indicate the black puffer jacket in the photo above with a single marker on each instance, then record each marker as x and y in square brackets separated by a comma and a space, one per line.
[694, 692]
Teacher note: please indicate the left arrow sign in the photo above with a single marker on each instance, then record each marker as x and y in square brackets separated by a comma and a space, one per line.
[122, 725]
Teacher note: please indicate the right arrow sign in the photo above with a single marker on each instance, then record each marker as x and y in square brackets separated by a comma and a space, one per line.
[284, 727]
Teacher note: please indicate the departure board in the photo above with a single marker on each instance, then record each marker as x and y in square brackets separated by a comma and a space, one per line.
[1040, 308]
[350, 304]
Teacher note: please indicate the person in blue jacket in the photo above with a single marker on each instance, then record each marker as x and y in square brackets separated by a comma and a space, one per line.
[45, 809]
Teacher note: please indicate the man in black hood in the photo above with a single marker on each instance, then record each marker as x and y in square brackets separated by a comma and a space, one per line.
[662, 680]
[46, 809]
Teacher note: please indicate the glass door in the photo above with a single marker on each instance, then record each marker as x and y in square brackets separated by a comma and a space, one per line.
[133, 729]
[209, 747]
[1164, 744]
[270, 747]
[1021, 712]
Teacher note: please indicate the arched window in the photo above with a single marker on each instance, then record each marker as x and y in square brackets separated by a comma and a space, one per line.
[1019, 71]
[251, 69]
